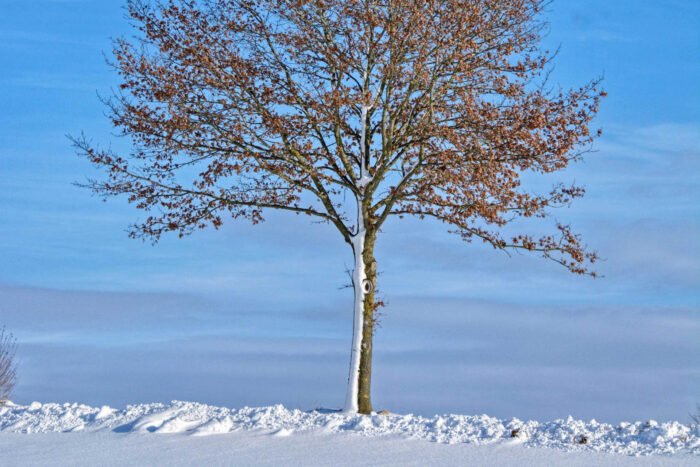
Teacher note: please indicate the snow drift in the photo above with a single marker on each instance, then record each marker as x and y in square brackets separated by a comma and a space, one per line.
[639, 438]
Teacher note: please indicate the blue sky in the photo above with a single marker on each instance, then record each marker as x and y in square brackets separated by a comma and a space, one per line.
[104, 319]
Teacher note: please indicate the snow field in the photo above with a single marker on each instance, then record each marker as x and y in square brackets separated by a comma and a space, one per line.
[634, 439]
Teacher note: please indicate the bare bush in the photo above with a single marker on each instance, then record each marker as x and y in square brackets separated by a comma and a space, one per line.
[695, 417]
[8, 373]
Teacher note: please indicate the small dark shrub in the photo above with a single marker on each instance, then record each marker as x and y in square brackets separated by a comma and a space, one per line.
[695, 417]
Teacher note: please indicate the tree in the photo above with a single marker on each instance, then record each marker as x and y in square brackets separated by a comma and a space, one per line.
[8, 372]
[428, 108]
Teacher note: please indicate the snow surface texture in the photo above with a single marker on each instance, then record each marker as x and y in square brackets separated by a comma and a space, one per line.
[639, 438]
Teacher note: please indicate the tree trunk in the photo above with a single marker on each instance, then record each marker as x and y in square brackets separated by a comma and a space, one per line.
[365, 377]
[364, 282]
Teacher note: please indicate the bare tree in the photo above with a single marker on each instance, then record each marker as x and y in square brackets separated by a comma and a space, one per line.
[8, 373]
[349, 111]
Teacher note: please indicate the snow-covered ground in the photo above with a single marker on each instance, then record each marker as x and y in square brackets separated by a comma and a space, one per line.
[183, 433]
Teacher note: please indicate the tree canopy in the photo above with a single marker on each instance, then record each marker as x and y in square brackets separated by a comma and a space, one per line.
[235, 107]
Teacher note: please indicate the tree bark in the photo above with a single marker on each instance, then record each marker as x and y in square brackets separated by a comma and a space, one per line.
[364, 280]
[365, 375]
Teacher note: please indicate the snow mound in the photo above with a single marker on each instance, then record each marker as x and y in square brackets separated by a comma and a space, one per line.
[639, 438]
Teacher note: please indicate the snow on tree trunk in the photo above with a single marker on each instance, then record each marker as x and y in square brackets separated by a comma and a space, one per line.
[358, 397]
[358, 278]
